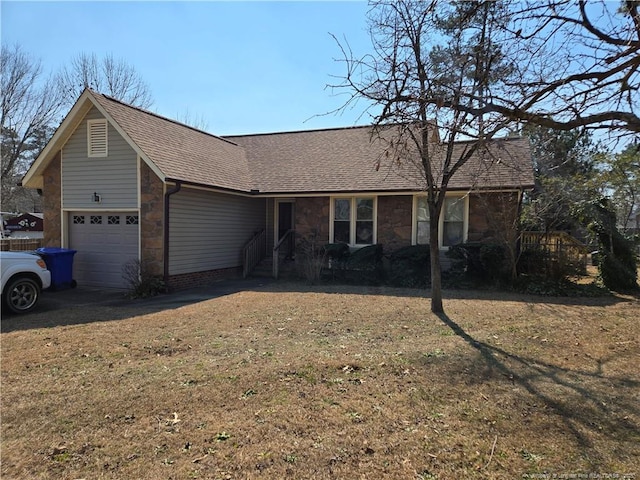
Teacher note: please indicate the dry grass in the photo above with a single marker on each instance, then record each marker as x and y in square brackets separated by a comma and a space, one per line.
[324, 382]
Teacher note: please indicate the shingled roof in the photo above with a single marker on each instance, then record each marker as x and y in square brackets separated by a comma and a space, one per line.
[181, 152]
[352, 159]
[315, 161]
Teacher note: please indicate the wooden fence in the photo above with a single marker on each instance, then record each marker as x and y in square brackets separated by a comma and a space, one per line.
[559, 246]
[20, 244]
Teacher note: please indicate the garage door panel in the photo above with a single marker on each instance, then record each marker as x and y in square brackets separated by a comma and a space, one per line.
[104, 242]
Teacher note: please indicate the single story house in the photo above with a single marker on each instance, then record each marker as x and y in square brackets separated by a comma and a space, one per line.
[120, 183]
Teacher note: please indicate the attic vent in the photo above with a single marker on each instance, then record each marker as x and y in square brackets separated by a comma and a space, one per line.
[97, 138]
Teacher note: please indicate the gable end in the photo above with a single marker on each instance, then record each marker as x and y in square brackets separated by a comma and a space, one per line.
[97, 138]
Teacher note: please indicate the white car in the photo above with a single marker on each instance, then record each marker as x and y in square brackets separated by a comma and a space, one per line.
[24, 276]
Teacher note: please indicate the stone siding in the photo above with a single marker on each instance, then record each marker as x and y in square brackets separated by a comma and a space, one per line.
[151, 220]
[312, 218]
[394, 221]
[492, 217]
[51, 204]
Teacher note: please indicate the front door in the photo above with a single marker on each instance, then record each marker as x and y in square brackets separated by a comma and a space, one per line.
[285, 223]
[285, 218]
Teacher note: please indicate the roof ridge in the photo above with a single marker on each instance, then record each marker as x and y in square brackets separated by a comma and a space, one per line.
[313, 130]
[161, 117]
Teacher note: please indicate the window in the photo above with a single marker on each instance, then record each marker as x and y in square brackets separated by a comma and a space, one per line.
[354, 220]
[132, 219]
[78, 219]
[453, 221]
[113, 220]
[97, 138]
[422, 221]
[96, 219]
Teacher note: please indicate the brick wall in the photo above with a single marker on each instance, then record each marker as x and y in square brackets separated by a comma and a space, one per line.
[51, 203]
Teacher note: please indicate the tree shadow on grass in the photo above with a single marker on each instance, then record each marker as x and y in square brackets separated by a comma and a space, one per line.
[489, 294]
[580, 399]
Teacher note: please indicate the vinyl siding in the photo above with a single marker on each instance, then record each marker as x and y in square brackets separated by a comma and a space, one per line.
[208, 230]
[113, 177]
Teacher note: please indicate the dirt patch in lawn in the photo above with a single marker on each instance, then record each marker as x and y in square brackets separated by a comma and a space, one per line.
[337, 382]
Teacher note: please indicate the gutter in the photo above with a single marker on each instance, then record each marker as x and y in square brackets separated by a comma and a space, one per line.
[165, 255]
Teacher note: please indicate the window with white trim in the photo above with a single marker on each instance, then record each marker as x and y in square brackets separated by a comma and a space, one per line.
[97, 138]
[453, 221]
[353, 220]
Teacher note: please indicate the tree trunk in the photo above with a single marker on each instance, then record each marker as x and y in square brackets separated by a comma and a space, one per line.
[436, 270]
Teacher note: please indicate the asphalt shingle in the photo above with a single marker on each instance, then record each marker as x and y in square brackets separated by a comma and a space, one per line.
[316, 161]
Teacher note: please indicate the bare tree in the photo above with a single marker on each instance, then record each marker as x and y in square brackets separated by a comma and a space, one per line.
[577, 65]
[473, 68]
[414, 81]
[197, 121]
[30, 104]
[111, 76]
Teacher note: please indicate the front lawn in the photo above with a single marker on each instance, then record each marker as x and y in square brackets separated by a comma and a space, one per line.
[325, 382]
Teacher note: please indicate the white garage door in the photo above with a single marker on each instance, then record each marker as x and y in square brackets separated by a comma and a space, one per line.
[104, 243]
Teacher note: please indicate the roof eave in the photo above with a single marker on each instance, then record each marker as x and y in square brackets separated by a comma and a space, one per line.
[33, 177]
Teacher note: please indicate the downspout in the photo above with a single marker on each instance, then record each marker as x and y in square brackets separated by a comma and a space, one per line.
[168, 193]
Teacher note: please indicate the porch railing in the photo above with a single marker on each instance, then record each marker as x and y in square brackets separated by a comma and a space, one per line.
[20, 244]
[287, 245]
[253, 252]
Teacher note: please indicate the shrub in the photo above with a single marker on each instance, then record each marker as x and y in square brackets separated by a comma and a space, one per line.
[365, 265]
[337, 254]
[311, 258]
[141, 283]
[480, 261]
[617, 273]
[539, 285]
[410, 267]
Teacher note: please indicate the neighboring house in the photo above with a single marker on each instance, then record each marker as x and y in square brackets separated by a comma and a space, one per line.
[120, 184]
[27, 225]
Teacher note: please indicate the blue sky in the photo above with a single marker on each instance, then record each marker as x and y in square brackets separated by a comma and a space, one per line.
[241, 67]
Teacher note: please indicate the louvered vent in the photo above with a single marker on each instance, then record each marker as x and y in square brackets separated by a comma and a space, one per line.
[97, 138]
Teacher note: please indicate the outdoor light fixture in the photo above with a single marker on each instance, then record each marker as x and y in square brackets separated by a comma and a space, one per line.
[96, 197]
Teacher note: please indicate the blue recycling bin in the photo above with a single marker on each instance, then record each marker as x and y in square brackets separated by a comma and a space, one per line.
[60, 263]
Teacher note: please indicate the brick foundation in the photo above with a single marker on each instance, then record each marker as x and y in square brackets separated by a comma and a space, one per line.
[198, 279]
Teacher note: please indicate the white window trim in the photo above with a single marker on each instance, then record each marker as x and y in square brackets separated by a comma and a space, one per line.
[91, 124]
[465, 220]
[352, 220]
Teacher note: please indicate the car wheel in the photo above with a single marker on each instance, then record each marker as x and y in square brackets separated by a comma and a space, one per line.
[21, 294]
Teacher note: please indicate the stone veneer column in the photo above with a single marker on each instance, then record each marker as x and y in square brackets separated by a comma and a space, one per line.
[52, 203]
[151, 219]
